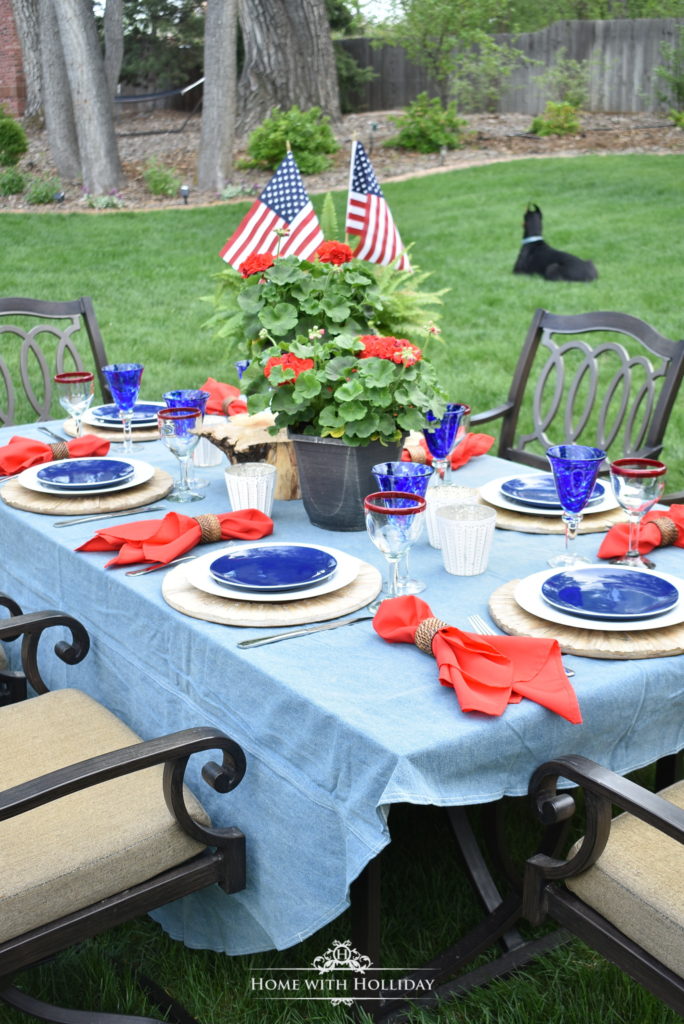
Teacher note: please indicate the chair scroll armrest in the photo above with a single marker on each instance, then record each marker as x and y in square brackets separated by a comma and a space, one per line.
[173, 751]
[31, 627]
[602, 789]
[491, 414]
[10, 604]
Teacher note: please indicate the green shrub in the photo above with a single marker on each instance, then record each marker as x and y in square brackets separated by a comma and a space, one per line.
[671, 72]
[12, 182]
[41, 191]
[427, 126]
[13, 142]
[557, 119]
[567, 81]
[160, 180]
[308, 132]
[677, 117]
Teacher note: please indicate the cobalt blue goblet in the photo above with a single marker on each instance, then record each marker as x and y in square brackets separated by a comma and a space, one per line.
[413, 477]
[575, 469]
[191, 398]
[443, 435]
[124, 383]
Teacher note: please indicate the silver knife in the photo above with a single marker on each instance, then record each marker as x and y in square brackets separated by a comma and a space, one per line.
[259, 640]
[109, 515]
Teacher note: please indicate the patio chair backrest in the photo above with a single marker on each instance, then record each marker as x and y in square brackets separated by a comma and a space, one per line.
[602, 390]
[37, 340]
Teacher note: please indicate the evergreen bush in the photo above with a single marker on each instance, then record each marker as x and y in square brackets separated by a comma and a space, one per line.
[426, 126]
[13, 141]
[308, 133]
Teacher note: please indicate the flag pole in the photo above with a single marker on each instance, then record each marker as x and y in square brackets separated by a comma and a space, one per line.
[351, 175]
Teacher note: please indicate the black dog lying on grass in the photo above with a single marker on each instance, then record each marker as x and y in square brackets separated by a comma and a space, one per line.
[536, 257]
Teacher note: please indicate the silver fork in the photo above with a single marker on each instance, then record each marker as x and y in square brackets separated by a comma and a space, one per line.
[51, 433]
[480, 626]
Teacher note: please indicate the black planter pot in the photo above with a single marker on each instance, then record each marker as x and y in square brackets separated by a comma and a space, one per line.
[335, 477]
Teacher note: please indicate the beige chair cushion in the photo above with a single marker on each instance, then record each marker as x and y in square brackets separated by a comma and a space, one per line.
[88, 845]
[638, 885]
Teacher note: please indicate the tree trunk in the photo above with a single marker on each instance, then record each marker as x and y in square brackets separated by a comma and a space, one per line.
[219, 96]
[57, 107]
[100, 165]
[26, 21]
[289, 59]
[113, 44]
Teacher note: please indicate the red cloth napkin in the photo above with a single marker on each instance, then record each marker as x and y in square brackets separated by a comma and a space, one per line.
[487, 673]
[225, 398]
[614, 544]
[23, 452]
[162, 540]
[471, 445]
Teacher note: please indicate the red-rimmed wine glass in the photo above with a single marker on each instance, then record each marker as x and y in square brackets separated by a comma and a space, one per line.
[637, 486]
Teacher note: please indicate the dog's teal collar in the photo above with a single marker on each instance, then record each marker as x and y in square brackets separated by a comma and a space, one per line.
[532, 238]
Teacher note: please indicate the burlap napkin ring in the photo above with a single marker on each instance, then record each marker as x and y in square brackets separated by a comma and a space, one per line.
[427, 631]
[210, 525]
[60, 450]
[668, 531]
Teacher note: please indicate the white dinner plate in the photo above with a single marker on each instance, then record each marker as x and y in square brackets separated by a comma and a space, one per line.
[95, 419]
[142, 472]
[491, 493]
[198, 575]
[528, 595]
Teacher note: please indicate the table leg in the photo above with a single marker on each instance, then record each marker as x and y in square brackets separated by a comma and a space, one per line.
[496, 926]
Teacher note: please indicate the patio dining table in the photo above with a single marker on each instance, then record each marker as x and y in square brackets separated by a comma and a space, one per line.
[337, 726]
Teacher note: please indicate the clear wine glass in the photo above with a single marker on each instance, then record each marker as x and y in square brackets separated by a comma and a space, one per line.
[413, 477]
[124, 383]
[394, 520]
[637, 486]
[75, 391]
[177, 431]
[444, 435]
[190, 398]
[575, 469]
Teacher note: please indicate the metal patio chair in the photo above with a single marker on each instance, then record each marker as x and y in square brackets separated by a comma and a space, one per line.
[620, 888]
[39, 339]
[572, 386]
[96, 825]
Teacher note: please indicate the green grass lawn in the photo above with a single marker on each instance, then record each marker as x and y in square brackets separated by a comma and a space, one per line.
[147, 272]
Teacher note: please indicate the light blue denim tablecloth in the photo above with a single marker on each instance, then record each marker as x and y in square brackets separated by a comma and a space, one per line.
[337, 725]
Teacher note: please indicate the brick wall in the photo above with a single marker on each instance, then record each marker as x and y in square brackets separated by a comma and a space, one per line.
[12, 84]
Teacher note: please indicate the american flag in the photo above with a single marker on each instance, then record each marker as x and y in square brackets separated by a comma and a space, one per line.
[368, 215]
[283, 204]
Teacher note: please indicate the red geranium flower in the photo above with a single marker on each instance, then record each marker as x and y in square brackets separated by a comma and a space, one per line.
[334, 252]
[288, 362]
[256, 263]
[397, 350]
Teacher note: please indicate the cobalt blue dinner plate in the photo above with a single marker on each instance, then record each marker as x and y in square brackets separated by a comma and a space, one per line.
[274, 567]
[609, 592]
[143, 412]
[85, 474]
[539, 490]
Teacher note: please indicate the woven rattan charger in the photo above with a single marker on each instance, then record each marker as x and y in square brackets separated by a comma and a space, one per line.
[16, 496]
[181, 595]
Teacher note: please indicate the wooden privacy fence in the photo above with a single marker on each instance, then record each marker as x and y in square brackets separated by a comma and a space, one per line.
[623, 56]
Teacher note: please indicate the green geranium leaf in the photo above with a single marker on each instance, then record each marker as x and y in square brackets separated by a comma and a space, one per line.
[285, 270]
[349, 391]
[337, 310]
[280, 319]
[339, 367]
[351, 411]
[307, 386]
[250, 299]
